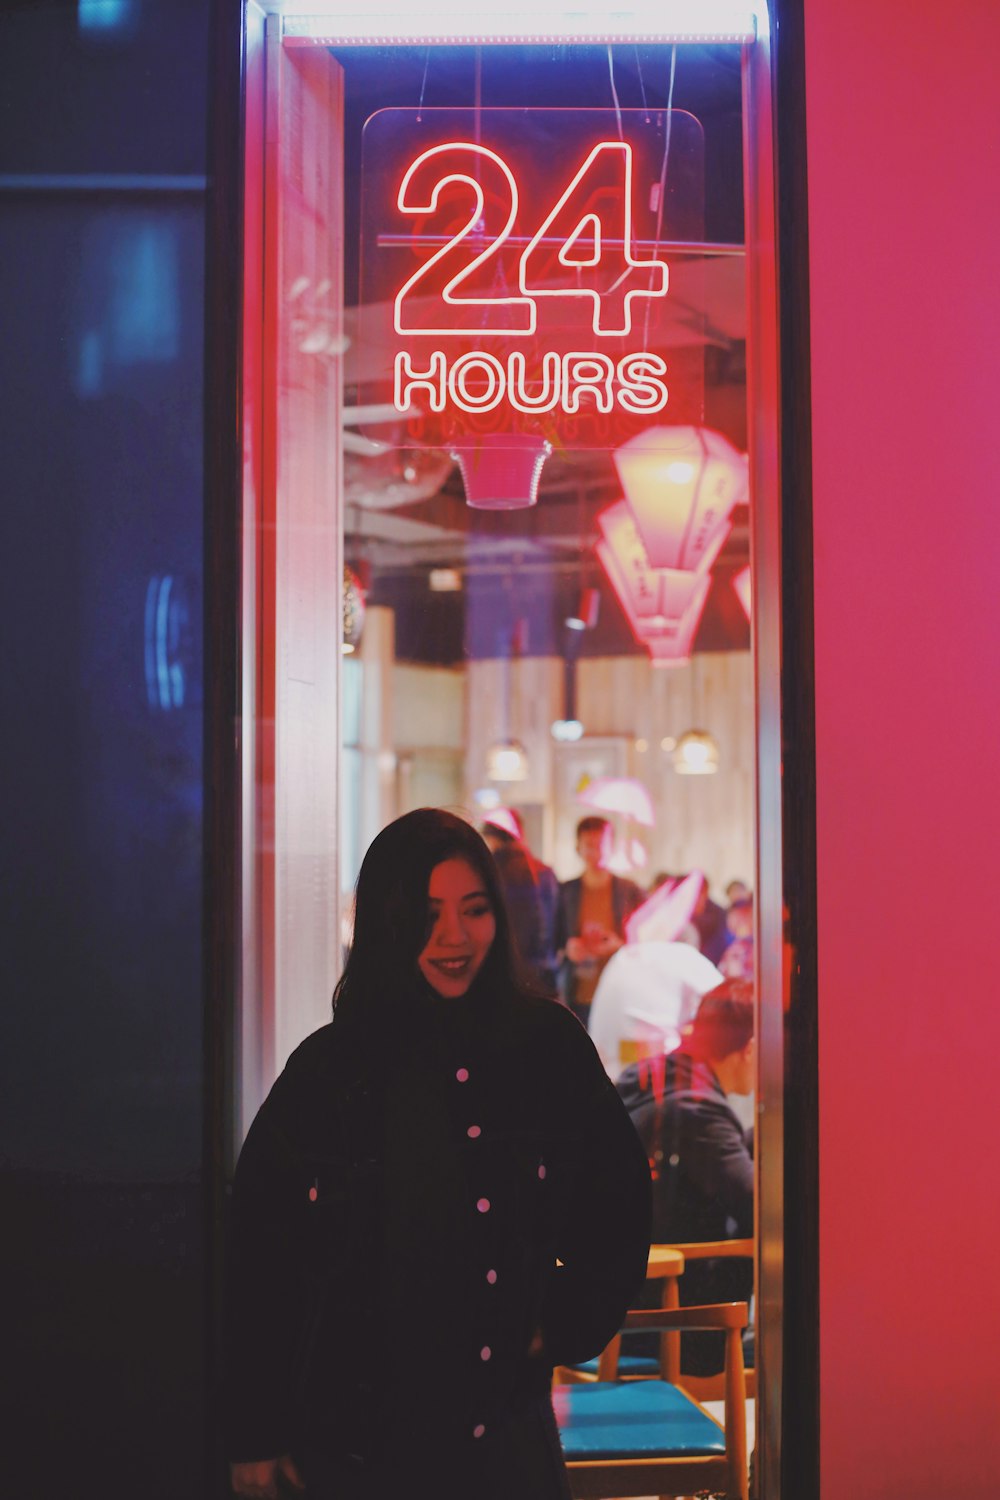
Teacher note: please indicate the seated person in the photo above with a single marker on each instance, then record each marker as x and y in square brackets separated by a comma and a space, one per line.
[737, 959]
[710, 921]
[699, 1156]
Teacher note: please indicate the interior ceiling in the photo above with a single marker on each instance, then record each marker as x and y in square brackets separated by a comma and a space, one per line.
[405, 507]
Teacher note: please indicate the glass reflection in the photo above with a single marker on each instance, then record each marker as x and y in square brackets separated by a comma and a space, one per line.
[548, 669]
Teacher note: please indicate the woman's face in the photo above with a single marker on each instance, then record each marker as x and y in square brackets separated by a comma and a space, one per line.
[461, 928]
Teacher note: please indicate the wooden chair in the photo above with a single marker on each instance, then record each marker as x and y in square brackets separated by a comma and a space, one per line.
[651, 1437]
[703, 1387]
[665, 1264]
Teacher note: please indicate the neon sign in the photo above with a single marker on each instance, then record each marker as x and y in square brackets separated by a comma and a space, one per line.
[516, 274]
[478, 382]
[416, 199]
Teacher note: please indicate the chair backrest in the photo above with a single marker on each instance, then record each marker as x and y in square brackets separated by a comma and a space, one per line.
[705, 1387]
[713, 1249]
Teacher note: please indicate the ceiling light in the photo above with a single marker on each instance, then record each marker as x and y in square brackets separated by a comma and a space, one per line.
[696, 754]
[681, 484]
[680, 473]
[445, 581]
[507, 760]
[566, 731]
[662, 605]
[350, 22]
[501, 471]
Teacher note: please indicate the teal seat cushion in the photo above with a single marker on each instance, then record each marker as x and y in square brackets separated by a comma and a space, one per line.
[640, 1419]
[629, 1366]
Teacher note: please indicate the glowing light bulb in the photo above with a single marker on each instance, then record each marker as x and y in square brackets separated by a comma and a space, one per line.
[507, 760]
[696, 754]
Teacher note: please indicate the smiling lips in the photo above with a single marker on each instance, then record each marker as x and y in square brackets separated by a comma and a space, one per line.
[454, 968]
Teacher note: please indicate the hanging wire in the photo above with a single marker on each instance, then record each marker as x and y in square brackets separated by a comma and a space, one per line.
[662, 194]
[614, 93]
[423, 85]
[642, 82]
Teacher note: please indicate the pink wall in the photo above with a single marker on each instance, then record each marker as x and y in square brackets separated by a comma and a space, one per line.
[904, 220]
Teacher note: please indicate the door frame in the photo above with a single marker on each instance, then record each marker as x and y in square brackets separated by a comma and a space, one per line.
[777, 259]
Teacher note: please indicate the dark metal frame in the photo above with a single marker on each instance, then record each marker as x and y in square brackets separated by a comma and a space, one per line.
[800, 1301]
[799, 1265]
[222, 613]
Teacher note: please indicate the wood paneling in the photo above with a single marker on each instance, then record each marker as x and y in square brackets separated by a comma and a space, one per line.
[702, 821]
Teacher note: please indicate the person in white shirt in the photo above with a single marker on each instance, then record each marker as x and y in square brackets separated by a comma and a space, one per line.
[650, 989]
[648, 993]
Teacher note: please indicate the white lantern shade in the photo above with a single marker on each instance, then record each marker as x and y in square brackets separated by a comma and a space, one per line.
[681, 484]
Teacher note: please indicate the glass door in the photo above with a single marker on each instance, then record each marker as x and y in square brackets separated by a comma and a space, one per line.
[510, 540]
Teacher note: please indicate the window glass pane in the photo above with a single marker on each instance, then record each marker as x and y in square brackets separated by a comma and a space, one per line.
[554, 562]
[538, 368]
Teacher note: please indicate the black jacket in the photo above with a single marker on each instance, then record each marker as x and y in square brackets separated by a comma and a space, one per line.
[703, 1180]
[398, 1210]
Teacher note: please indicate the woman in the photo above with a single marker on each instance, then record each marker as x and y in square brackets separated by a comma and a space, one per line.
[402, 1199]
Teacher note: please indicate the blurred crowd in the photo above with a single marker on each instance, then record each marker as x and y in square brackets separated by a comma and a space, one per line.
[663, 981]
[630, 963]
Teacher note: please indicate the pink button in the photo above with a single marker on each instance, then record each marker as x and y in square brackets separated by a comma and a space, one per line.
[485, 1353]
[483, 1205]
[541, 1171]
[491, 1277]
[473, 1132]
[462, 1075]
[478, 1430]
[313, 1195]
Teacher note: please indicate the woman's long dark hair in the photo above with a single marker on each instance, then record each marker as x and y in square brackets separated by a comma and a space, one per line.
[391, 915]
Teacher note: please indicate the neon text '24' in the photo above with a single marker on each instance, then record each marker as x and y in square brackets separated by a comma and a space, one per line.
[590, 223]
